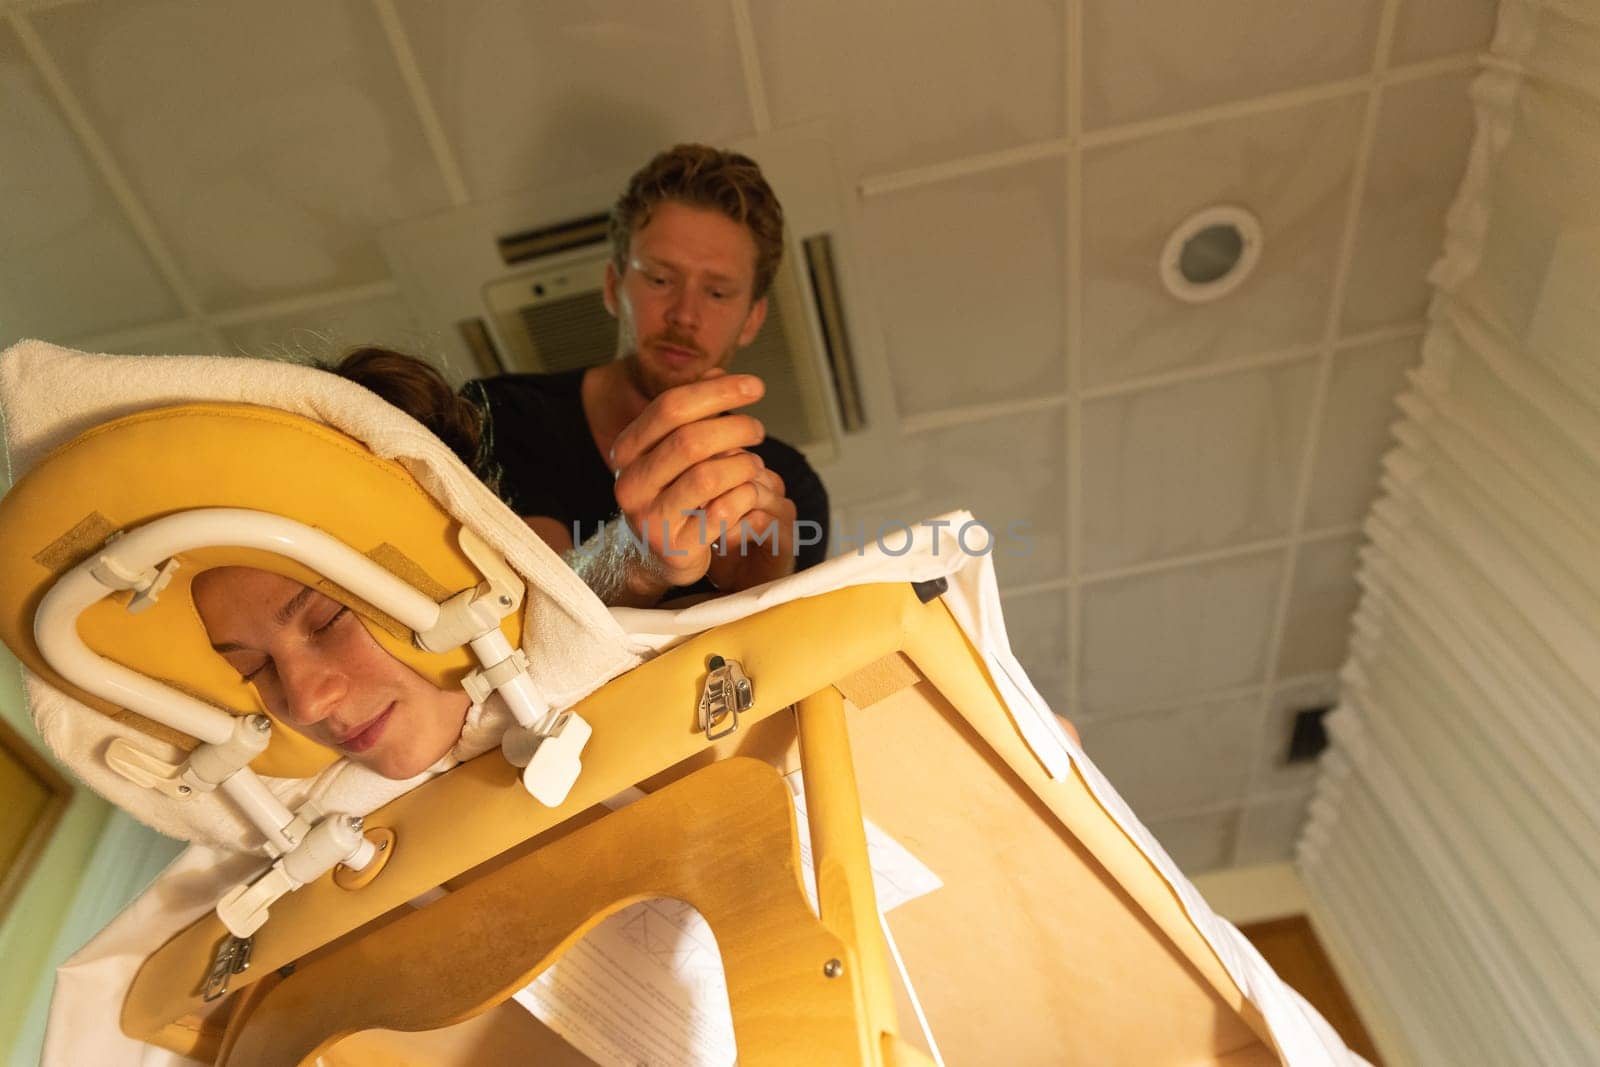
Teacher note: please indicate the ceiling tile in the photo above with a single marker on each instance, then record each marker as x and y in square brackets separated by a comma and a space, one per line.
[1418, 157]
[535, 95]
[911, 83]
[1355, 434]
[1171, 762]
[173, 339]
[1178, 633]
[1010, 473]
[324, 333]
[1199, 843]
[72, 264]
[1036, 624]
[1270, 829]
[969, 281]
[1291, 168]
[1274, 772]
[1193, 467]
[268, 141]
[1426, 29]
[1157, 57]
[1322, 600]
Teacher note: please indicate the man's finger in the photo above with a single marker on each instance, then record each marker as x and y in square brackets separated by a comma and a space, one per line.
[679, 406]
[726, 512]
[755, 503]
[697, 487]
[721, 438]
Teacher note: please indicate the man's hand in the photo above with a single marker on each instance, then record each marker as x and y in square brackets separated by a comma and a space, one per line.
[683, 474]
[761, 545]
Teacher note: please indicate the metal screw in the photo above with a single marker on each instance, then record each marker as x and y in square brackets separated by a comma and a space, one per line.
[505, 601]
[833, 968]
[184, 790]
[261, 723]
[383, 846]
[356, 823]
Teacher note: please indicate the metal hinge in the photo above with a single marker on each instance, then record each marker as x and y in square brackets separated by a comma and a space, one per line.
[232, 957]
[727, 692]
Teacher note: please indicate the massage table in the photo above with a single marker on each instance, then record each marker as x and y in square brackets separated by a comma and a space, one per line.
[326, 915]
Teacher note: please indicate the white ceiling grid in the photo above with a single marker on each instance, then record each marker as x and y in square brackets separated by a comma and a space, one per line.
[187, 176]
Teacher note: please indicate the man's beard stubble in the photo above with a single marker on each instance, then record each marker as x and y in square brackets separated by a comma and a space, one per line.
[651, 385]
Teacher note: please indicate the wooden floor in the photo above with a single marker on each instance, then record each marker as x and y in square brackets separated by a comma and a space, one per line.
[1295, 953]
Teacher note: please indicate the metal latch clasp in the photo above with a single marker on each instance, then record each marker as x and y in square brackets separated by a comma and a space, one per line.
[727, 692]
[232, 957]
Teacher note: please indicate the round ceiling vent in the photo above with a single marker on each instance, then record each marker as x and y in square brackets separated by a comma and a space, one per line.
[1211, 253]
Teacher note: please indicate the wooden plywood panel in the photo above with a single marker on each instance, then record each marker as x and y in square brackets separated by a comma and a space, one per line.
[1295, 953]
[1030, 953]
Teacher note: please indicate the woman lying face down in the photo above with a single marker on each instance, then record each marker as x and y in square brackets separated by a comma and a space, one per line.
[322, 674]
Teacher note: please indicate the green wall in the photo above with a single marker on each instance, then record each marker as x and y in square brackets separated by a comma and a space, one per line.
[29, 931]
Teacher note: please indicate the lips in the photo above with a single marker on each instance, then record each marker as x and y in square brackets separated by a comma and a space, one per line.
[677, 355]
[367, 735]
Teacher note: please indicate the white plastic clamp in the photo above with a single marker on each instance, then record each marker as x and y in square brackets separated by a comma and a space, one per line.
[472, 612]
[147, 583]
[479, 684]
[544, 744]
[336, 839]
[208, 765]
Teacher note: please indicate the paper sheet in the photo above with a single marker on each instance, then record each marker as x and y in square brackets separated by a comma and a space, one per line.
[646, 986]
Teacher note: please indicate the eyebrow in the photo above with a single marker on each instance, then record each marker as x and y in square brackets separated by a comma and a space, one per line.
[653, 263]
[288, 611]
[645, 262]
[293, 605]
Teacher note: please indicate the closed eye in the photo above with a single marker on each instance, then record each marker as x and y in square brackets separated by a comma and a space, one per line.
[335, 617]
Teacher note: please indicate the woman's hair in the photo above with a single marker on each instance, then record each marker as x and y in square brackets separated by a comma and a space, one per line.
[418, 389]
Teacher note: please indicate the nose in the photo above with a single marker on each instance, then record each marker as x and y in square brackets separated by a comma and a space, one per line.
[684, 311]
[313, 687]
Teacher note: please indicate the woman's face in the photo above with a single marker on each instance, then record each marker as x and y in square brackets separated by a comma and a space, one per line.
[320, 672]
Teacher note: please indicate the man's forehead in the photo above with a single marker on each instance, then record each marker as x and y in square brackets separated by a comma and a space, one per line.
[682, 236]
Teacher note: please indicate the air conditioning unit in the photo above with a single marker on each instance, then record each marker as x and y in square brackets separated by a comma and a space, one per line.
[515, 286]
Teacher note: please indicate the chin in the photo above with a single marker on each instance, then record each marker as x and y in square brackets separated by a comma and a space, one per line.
[662, 382]
[656, 378]
[401, 767]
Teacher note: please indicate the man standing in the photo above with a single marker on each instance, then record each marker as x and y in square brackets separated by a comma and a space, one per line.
[669, 487]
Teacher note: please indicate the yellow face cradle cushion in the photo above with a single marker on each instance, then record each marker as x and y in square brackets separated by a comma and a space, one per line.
[125, 473]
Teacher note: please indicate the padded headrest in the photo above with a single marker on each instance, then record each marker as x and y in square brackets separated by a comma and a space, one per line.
[141, 467]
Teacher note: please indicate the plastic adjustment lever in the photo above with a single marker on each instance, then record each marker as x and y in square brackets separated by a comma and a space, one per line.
[472, 612]
[207, 766]
[553, 765]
